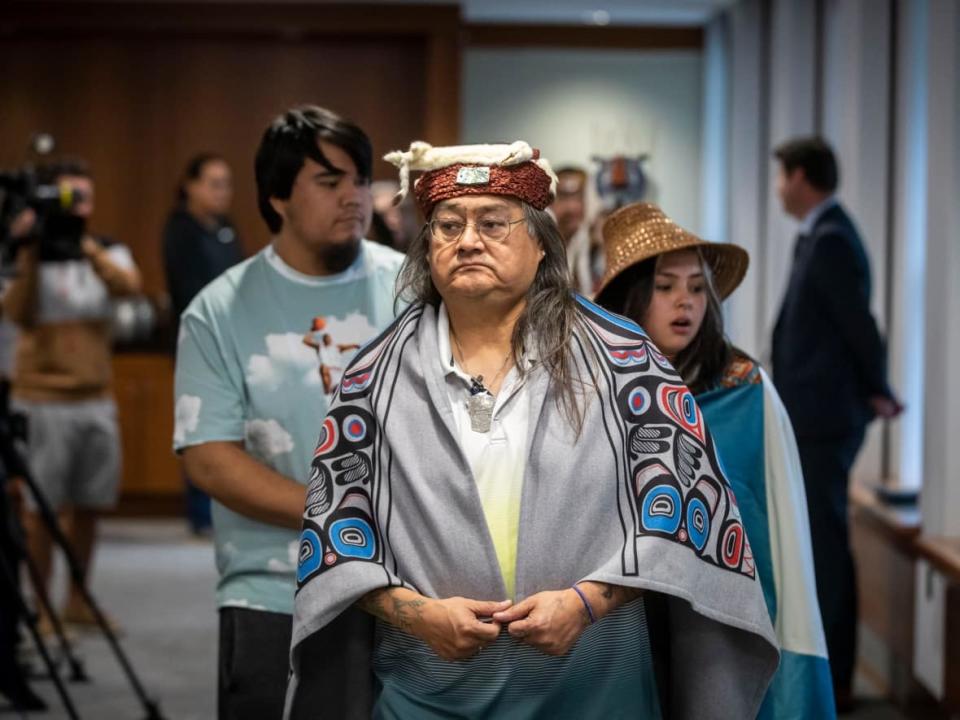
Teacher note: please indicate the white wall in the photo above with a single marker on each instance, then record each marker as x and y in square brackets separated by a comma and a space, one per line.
[791, 112]
[574, 104]
[856, 121]
[911, 223]
[714, 185]
[941, 426]
[748, 174]
[775, 90]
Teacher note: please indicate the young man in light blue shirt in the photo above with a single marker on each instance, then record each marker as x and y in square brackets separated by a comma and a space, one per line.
[253, 385]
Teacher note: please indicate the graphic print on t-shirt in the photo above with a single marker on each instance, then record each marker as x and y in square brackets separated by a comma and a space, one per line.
[331, 341]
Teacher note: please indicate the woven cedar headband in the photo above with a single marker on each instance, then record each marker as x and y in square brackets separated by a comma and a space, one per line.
[516, 170]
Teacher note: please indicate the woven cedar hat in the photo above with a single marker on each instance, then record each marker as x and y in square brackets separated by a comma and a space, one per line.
[640, 231]
[516, 170]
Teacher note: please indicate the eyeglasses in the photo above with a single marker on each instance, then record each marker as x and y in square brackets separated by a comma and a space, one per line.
[492, 230]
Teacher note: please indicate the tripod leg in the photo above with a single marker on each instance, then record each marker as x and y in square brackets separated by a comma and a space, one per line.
[17, 467]
[153, 711]
[77, 671]
[8, 576]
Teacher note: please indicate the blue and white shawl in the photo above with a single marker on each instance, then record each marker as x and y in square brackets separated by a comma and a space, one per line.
[757, 448]
[637, 499]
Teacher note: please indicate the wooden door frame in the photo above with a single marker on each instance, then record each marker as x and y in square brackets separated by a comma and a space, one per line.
[589, 37]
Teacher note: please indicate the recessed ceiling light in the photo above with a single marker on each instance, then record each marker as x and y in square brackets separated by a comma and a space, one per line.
[600, 17]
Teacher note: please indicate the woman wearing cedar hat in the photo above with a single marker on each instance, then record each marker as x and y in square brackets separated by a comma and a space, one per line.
[672, 283]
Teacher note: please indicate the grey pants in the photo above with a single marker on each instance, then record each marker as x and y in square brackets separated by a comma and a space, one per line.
[73, 452]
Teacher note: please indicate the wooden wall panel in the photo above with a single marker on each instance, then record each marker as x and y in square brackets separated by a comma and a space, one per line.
[951, 680]
[144, 390]
[589, 37]
[138, 88]
[885, 584]
[138, 101]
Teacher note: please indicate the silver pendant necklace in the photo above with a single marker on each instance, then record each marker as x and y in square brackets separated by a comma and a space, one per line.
[480, 406]
[481, 402]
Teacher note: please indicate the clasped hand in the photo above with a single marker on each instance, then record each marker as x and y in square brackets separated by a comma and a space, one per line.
[457, 628]
[550, 621]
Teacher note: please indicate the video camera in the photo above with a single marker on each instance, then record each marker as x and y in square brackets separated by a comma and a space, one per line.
[57, 231]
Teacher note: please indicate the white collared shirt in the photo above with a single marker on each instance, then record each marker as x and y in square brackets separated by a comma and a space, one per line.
[498, 457]
[810, 219]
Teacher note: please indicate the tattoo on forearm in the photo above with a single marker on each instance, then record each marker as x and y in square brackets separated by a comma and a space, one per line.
[616, 595]
[405, 612]
[401, 613]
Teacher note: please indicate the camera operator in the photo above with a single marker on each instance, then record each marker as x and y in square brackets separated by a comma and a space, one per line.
[60, 301]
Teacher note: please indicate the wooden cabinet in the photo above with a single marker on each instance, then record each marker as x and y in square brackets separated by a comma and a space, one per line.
[909, 591]
[942, 555]
[151, 482]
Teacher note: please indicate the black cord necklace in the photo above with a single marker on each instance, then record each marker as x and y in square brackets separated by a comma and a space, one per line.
[481, 402]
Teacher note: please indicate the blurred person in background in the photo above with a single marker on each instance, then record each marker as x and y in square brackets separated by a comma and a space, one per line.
[393, 214]
[672, 284]
[596, 260]
[60, 301]
[829, 364]
[199, 243]
[569, 208]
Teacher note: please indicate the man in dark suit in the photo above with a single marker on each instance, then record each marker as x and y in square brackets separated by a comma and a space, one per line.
[829, 366]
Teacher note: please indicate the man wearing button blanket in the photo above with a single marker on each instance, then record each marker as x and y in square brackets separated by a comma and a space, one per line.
[501, 480]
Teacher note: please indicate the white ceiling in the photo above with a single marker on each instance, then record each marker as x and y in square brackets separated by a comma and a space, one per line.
[594, 12]
[590, 12]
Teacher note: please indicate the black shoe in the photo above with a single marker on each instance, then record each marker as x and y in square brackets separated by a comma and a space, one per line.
[844, 701]
[16, 690]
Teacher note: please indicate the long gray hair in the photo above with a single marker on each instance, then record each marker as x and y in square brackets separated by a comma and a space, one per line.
[549, 318]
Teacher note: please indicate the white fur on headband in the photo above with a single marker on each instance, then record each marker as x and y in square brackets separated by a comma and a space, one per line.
[425, 157]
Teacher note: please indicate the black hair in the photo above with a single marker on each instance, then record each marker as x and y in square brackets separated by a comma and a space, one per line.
[293, 137]
[815, 157]
[52, 171]
[193, 171]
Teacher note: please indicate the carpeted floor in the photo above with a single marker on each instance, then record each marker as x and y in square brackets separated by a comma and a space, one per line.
[157, 583]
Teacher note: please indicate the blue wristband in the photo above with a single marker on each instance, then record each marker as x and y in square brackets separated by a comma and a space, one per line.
[586, 604]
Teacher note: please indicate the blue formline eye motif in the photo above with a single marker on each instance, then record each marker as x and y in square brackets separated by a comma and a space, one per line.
[662, 509]
[310, 554]
[698, 523]
[353, 537]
